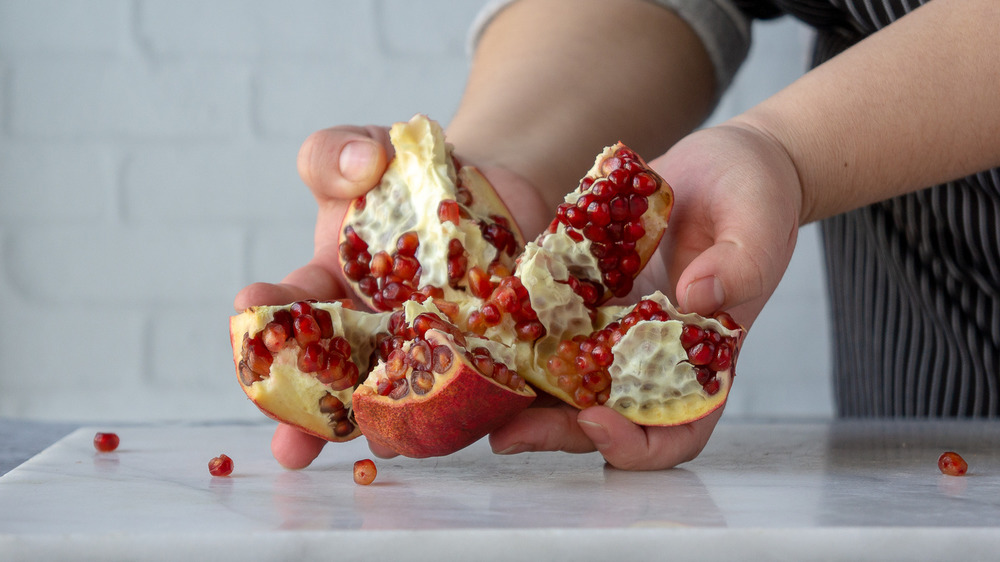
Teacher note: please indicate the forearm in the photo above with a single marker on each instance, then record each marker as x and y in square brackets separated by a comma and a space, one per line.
[914, 105]
[554, 81]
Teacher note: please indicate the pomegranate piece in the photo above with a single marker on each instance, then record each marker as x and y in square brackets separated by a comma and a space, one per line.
[221, 465]
[106, 442]
[952, 464]
[437, 389]
[364, 472]
[308, 379]
[454, 222]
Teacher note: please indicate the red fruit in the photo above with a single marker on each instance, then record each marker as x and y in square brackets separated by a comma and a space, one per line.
[952, 464]
[106, 442]
[307, 385]
[434, 236]
[221, 465]
[433, 396]
[470, 227]
[364, 472]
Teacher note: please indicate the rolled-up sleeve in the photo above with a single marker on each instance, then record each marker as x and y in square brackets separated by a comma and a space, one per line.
[723, 29]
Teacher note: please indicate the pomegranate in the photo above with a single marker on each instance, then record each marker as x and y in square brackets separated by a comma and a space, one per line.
[106, 442]
[429, 228]
[221, 465]
[300, 363]
[952, 464]
[465, 313]
[364, 472]
[436, 389]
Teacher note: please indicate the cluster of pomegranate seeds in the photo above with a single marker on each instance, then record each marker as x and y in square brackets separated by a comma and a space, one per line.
[609, 214]
[221, 465]
[337, 414]
[307, 330]
[416, 368]
[580, 365]
[364, 472]
[499, 235]
[508, 297]
[952, 464]
[106, 442]
[388, 279]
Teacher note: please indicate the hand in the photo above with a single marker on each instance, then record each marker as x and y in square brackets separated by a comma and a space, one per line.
[731, 235]
[338, 165]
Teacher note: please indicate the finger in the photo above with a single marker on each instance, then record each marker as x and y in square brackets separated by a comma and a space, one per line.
[734, 272]
[542, 429]
[381, 451]
[293, 448]
[344, 162]
[308, 282]
[629, 446]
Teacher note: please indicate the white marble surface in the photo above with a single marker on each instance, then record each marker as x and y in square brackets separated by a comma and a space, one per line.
[779, 491]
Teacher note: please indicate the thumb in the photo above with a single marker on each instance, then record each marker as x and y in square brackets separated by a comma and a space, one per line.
[343, 162]
[734, 274]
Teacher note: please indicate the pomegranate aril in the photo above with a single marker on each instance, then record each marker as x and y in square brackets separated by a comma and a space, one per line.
[307, 329]
[599, 213]
[419, 356]
[106, 442]
[421, 382]
[443, 358]
[644, 184]
[351, 237]
[343, 428]
[221, 465]
[381, 264]
[395, 365]
[712, 387]
[529, 330]
[691, 335]
[312, 358]
[479, 283]
[256, 355]
[448, 211]
[275, 335]
[405, 267]
[407, 244]
[723, 358]
[952, 464]
[701, 353]
[330, 404]
[400, 389]
[364, 472]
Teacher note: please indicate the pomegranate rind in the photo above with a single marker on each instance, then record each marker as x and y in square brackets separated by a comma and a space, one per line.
[419, 178]
[652, 380]
[461, 408]
[291, 396]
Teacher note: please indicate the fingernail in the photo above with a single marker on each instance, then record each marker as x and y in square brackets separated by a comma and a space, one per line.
[704, 296]
[356, 160]
[513, 449]
[597, 433]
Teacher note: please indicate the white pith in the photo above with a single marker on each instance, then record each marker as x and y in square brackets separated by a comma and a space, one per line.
[417, 180]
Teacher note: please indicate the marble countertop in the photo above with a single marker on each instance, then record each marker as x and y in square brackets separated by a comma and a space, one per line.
[780, 491]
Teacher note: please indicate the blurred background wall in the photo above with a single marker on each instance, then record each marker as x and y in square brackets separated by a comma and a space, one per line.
[147, 173]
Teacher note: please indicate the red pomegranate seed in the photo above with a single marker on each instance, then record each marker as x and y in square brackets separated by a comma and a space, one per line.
[479, 283]
[351, 237]
[691, 335]
[701, 353]
[307, 329]
[644, 184]
[952, 464]
[364, 472]
[256, 355]
[312, 358]
[419, 356]
[442, 359]
[381, 264]
[405, 267]
[448, 211]
[106, 442]
[221, 465]
[356, 270]
[407, 244]
[421, 382]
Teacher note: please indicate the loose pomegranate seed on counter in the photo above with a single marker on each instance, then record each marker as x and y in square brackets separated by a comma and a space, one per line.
[106, 442]
[221, 465]
[952, 464]
[364, 472]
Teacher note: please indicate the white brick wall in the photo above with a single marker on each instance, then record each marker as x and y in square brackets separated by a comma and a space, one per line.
[147, 172]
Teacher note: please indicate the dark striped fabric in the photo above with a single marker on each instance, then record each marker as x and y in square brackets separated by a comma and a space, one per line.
[914, 282]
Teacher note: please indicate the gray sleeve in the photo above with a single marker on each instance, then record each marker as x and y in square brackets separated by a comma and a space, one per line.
[723, 29]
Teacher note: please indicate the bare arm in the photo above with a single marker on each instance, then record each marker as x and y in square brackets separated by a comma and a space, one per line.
[915, 104]
[554, 81]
